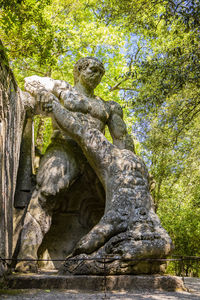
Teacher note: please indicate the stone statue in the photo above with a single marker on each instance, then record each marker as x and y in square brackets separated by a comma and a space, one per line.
[64, 162]
[129, 232]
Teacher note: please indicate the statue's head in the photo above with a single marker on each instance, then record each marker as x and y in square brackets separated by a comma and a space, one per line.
[88, 71]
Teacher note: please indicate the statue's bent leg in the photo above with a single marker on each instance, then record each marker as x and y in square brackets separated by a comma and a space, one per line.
[58, 170]
[37, 222]
[129, 206]
[112, 223]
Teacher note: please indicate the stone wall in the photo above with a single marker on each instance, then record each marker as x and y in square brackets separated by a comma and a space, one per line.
[12, 116]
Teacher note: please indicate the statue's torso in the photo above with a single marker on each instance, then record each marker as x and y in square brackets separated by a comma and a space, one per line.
[93, 112]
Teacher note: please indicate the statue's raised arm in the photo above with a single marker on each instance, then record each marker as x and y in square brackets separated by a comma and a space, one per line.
[37, 85]
[43, 89]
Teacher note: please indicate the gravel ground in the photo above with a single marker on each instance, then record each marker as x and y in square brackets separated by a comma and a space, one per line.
[193, 284]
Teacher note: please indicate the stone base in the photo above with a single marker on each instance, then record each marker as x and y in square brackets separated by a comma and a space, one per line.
[85, 283]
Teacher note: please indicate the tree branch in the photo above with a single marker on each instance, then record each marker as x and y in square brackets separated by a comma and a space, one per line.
[32, 70]
[116, 86]
[125, 89]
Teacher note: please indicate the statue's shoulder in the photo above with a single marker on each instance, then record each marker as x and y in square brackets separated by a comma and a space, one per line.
[105, 103]
[112, 107]
[115, 108]
[63, 85]
[99, 98]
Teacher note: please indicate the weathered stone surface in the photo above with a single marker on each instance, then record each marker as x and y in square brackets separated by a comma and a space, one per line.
[75, 214]
[82, 283]
[129, 227]
[15, 106]
[24, 184]
[12, 115]
[64, 166]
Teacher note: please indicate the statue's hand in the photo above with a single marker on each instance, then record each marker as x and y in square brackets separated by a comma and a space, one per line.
[45, 101]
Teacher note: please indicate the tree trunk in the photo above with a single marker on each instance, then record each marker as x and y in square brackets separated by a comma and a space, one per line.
[12, 116]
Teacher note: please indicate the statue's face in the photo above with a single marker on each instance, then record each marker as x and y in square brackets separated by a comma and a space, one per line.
[91, 76]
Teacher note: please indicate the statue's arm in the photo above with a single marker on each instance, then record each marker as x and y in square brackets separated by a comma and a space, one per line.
[39, 86]
[118, 129]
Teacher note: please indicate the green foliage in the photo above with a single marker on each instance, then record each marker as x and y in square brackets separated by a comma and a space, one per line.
[42, 132]
[179, 205]
[161, 83]
[47, 37]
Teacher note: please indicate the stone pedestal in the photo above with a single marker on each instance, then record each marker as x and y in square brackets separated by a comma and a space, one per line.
[86, 283]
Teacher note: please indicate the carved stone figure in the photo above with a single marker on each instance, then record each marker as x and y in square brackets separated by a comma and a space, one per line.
[129, 228]
[64, 163]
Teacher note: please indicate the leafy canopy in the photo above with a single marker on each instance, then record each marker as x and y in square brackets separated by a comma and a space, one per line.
[162, 87]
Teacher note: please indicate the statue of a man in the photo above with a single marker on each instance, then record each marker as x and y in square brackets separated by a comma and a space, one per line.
[61, 166]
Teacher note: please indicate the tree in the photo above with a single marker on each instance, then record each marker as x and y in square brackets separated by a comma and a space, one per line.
[161, 84]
